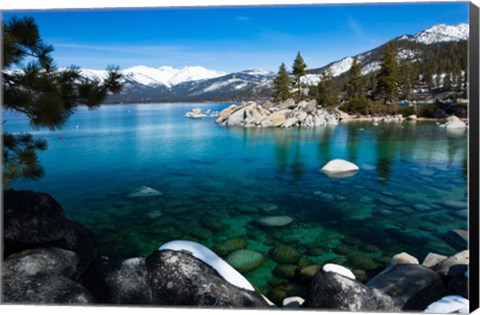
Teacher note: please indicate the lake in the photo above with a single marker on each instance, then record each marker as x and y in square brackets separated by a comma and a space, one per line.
[215, 181]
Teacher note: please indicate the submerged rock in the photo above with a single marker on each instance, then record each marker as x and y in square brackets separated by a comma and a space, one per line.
[274, 221]
[245, 260]
[144, 191]
[284, 254]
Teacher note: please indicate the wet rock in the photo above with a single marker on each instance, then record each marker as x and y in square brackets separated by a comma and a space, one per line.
[285, 271]
[128, 284]
[30, 219]
[284, 254]
[51, 260]
[245, 260]
[306, 274]
[44, 289]
[412, 287]
[178, 278]
[330, 290]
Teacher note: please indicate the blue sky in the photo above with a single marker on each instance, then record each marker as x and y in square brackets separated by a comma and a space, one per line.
[232, 38]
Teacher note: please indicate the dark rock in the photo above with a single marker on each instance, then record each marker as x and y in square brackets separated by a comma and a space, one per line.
[306, 274]
[333, 291]
[412, 287]
[50, 260]
[284, 271]
[31, 218]
[282, 291]
[459, 284]
[128, 284]
[80, 240]
[178, 278]
[44, 289]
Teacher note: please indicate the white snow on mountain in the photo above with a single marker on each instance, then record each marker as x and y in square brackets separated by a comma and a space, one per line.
[168, 76]
[341, 66]
[371, 67]
[406, 54]
[311, 79]
[442, 33]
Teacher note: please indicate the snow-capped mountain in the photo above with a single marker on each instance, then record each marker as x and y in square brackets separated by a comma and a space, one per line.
[409, 48]
[166, 76]
[441, 33]
[168, 84]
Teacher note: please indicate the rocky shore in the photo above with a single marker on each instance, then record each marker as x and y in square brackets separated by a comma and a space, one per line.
[286, 114]
[49, 259]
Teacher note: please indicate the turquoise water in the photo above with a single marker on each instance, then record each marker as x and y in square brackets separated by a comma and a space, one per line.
[215, 181]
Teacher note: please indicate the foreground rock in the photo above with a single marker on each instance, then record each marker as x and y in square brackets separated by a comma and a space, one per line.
[286, 114]
[31, 219]
[340, 168]
[453, 122]
[411, 286]
[330, 290]
[178, 278]
[44, 289]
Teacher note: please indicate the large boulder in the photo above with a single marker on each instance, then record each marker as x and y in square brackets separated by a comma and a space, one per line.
[179, 278]
[80, 240]
[411, 286]
[452, 266]
[224, 114]
[128, 283]
[31, 219]
[330, 290]
[453, 122]
[239, 114]
[50, 260]
[288, 104]
[44, 289]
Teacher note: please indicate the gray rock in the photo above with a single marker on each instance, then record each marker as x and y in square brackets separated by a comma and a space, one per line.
[128, 284]
[51, 260]
[412, 287]
[290, 103]
[44, 289]
[447, 267]
[239, 114]
[403, 258]
[178, 278]
[290, 122]
[310, 107]
[332, 291]
[30, 219]
[80, 240]
[267, 105]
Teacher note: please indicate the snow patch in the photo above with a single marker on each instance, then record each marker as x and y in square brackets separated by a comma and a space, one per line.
[442, 33]
[339, 270]
[210, 258]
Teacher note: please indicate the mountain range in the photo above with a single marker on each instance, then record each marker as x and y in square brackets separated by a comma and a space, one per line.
[197, 84]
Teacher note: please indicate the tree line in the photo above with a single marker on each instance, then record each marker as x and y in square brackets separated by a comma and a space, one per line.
[436, 68]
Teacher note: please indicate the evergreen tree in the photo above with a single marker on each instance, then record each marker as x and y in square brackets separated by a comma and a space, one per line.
[45, 94]
[327, 91]
[355, 85]
[388, 75]
[298, 71]
[281, 85]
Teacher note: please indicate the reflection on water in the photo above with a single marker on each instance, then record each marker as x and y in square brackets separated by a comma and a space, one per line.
[216, 181]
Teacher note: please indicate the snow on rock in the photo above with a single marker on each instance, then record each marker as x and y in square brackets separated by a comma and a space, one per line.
[311, 79]
[339, 270]
[442, 33]
[449, 304]
[341, 66]
[210, 258]
[371, 67]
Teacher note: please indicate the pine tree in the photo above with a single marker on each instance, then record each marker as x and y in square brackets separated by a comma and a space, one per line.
[281, 85]
[298, 71]
[355, 85]
[388, 76]
[45, 94]
[327, 90]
